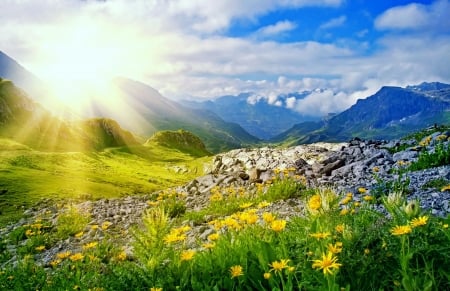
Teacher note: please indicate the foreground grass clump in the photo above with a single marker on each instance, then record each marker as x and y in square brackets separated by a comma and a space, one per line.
[338, 242]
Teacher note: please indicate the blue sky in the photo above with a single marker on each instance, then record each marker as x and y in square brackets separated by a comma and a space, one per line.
[203, 49]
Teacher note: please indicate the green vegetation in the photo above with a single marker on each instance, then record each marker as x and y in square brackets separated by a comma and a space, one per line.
[337, 243]
[440, 157]
[182, 140]
[27, 176]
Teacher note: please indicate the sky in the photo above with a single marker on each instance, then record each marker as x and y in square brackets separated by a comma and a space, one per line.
[342, 50]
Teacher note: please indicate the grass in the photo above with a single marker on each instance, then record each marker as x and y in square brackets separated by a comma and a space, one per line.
[28, 176]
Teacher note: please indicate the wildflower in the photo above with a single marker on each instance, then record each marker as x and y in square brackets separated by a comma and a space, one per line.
[10, 278]
[309, 254]
[122, 256]
[445, 188]
[336, 248]
[267, 275]
[346, 200]
[278, 225]
[268, 217]
[76, 257]
[55, 263]
[368, 198]
[320, 235]
[412, 209]
[208, 246]
[76, 287]
[39, 248]
[362, 190]
[216, 197]
[79, 234]
[357, 204]
[94, 227]
[327, 263]
[106, 225]
[236, 271]
[213, 237]
[90, 245]
[174, 237]
[152, 203]
[419, 221]
[63, 255]
[445, 226]
[401, 230]
[366, 251]
[29, 232]
[246, 205]
[315, 202]
[278, 266]
[344, 211]
[340, 228]
[156, 289]
[263, 204]
[187, 255]
[376, 169]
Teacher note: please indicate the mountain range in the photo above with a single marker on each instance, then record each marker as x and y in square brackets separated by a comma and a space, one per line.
[224, 123]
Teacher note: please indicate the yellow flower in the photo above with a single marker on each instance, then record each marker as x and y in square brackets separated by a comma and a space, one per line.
[344, 211]
[246, 205]
[122, 256]
[401, 230]
[39, 248]
[445, 188]
[76, 257]
[152, 203]
[327, 264]
[419, 221]
[29, 232]
[444, 226]
[368, 198]
[278, 266]
[55, 263]
[376, 169]
[174, 237]
[346, 200]
[187, 255]
[94, 226]
[90, 245]
[208, 245]
[340, 228]
[315, 202]
[216, 197]
[291, 269]
[263, 204]
[278, 225]
[213, 237]
[268, 217]
[366, 251]
[236, 271]
[80, 234]
[320, 235]
[63, 255]
[362, 190]
[336, 248]
[106, 225]
[156, 289]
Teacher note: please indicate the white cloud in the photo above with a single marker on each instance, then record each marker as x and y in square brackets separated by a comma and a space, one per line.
[416, 16]
[335, 22]
[277, 28]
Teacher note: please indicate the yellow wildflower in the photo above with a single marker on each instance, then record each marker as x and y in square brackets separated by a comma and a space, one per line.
[278, 266]
[445, 226]
[368, 198]
[187, 255]
[90, 245]
[346, 200]
[315, 202]
[39, 248]
[268, 217]
[340, 228]
[174, 237]
[419, 221]
[327, 264]
[236, 271]
[344, 211]
[76, 257]
[278, 225]
[376, 169]
[335, 248]
[263, 204]
[445, 188]
[208, 246]
[213, 237]
[152, 203]
[55, 263]
[249, 218]
[320, 235]
[246, 205]
[106, 225]
[63, 255]
[366, 251]
[29, 232]
[94, 226]
[216, 197]
[362, 190]
[79, 234]
[267, 275]
[156, 289]
[401, 230]
[122, 256]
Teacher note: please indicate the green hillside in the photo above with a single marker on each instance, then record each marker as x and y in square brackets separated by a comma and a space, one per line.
[181, 140]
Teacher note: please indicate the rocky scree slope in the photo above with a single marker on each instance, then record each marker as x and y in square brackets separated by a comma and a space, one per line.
[345, 167]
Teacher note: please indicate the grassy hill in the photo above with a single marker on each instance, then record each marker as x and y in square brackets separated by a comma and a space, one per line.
[27, 176]
[182, 140]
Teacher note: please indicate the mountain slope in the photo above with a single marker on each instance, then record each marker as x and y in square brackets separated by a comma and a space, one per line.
[181, 140]
[258, 118]
[390, 113]
[24, 121]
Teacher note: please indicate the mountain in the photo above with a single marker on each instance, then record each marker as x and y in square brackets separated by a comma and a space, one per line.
[181, 140]
[259, 118]
[390, 113]
[27, 122]
[147, 112]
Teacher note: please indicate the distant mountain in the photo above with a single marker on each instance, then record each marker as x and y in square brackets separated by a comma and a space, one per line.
[23, 120]
[154, 112]
[259, 118]
[181, 140]
[390, 113]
